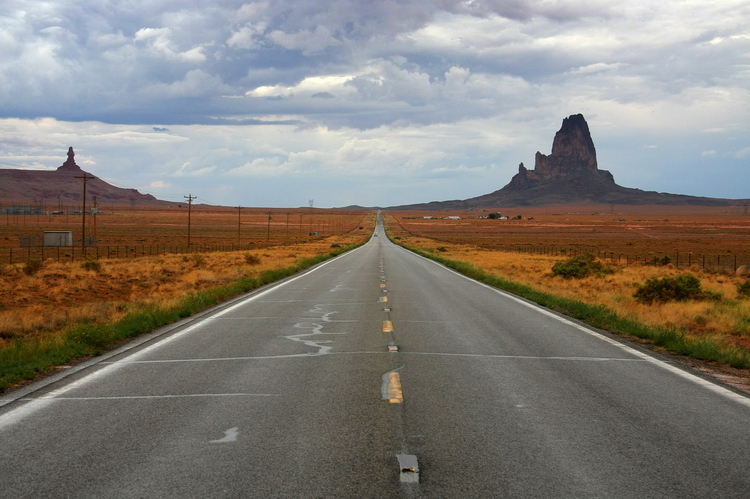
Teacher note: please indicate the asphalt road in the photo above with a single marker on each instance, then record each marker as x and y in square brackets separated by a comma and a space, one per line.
[315, 386]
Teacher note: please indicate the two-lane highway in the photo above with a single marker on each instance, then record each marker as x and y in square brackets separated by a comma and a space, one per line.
[329, 383]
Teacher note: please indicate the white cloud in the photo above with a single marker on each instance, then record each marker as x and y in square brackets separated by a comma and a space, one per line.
[161, 43]
[190, 170]
[742, 153]
[263, 167]
[196, 83]
[247, 36]
[333, 84]
[710, 152]
[309, 41]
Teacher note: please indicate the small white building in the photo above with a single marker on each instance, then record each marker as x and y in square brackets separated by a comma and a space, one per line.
[58, 238]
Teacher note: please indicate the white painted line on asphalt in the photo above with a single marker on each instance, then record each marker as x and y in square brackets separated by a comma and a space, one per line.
[408, 468]
[190, 395]
[230, 435]
[249, 318]
[719, 390]
[365, 352]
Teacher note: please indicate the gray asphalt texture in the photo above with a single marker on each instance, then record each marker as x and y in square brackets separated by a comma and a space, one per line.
[280, 394]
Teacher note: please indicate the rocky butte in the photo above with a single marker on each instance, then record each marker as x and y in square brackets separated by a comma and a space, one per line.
[569, 175]
[34, 186]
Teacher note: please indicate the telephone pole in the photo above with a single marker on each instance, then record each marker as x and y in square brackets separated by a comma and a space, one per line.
[189, 198]
[93, 213]
[86, 177]
[268, 232]
[239, 224]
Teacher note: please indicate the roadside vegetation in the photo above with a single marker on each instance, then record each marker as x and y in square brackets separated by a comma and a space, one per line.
[699, 314]
[67, 310]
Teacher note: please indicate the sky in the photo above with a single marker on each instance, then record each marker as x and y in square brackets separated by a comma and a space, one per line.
[373, 102]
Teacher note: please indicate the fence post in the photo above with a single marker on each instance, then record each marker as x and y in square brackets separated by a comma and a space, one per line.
[11, 256]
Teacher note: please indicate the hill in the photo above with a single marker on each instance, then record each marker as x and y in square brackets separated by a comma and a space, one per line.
[32, 186]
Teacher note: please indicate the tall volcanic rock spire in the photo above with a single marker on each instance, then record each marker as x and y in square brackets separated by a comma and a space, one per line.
[572, 150]
[568, 173]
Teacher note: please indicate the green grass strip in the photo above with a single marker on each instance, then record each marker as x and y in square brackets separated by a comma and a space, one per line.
[27, 358]
[715, 348]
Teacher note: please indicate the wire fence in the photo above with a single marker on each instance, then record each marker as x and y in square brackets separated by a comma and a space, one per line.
[712, 262]
[77, 253]
[716, 262]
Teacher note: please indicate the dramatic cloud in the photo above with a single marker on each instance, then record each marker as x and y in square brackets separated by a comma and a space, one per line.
[373, 102]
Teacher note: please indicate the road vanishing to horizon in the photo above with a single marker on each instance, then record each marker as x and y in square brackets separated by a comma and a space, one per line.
[376, 374]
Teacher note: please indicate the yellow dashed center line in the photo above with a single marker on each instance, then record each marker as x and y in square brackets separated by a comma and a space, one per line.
[395, 395]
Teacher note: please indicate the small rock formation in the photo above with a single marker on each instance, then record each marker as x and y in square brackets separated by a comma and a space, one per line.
[70, 165]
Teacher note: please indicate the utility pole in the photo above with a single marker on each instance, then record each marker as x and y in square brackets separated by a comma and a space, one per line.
[86, 177]
[309, 232]
[94, 215]
[239, 222]
[268, 232]
[189, 198]
[287, 225]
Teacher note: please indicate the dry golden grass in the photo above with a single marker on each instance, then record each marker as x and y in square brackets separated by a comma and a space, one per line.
[63, 293]
[729, 316]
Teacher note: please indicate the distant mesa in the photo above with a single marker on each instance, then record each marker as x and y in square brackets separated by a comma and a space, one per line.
[569, 176]
[33, 186]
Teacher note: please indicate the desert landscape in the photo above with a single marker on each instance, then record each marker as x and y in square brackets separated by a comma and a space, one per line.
[711, 244]
[148, 254]
[711, 237]
[147, 267]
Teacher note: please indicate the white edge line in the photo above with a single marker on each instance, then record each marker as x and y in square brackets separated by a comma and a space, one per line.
[189, 395]
[718, 389]
[379, 352]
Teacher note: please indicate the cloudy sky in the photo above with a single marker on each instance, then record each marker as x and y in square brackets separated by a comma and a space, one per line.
[373, 102]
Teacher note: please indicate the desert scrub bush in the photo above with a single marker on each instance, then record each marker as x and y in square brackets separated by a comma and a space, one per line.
[198, 259]
[680, 288]
[252, 259]
[663, 260]
[580, 266]
[32, 267]
[335, 245]
[441, 249]
[743, 288]
[92, 264]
